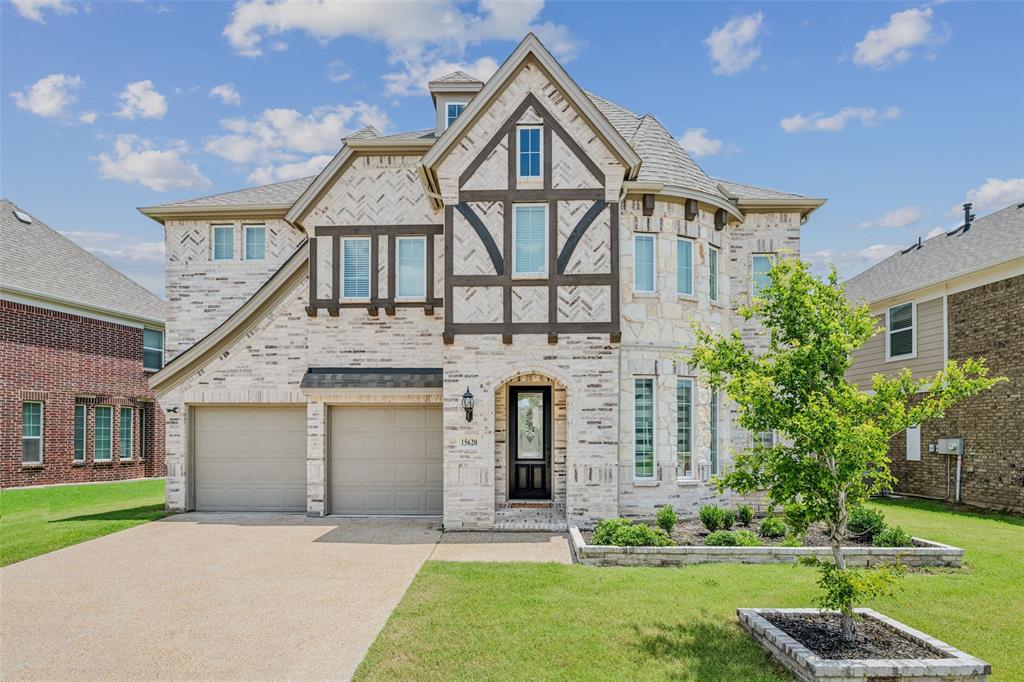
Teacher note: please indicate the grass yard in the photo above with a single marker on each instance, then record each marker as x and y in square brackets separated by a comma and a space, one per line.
[35, 521]
[546, 621]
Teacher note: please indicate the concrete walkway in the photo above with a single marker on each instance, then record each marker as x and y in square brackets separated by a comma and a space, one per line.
[226, 596]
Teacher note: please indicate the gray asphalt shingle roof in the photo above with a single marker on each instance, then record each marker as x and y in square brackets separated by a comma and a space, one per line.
[992, 239]
[278, 193]
[739, 190]
[34, 257]
[456, 77]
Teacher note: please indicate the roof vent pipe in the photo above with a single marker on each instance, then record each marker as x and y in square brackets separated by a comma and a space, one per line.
[968, 216]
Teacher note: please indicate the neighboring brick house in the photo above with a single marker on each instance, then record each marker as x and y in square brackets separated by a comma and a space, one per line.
[480, 320]
[78, 341]
[955, 296]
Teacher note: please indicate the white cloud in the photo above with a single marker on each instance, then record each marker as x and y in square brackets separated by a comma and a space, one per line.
[851, 262]
[337, 73]
[697, 142]
[818, 122]
[33, 9]
[732, 46]
[283, 135]
[413, 80]
[88, 117]
[898, 217]
[264, 175]
[993, 195]
[227, 94]
[138, 160]
[141, 251]
[140, 99]
[936, 231]
[48, 96]
[894, 43]
[90, 235]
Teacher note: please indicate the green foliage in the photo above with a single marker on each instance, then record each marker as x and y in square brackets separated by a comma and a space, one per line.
[607, 529]
[625, 533]
[842, 588]
[721, 538]
[866, 522]
[711, 517]
[745, 513]
[893, 536]
[666, 518]
[797, 517]
[747, 538]
[727, 518]
[772, 527]
[792, 541]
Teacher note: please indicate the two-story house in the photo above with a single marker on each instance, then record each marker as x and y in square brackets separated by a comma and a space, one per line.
[480, 319]
[955, 296]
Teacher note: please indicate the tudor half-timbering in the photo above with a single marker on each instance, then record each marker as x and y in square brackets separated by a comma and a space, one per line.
[479, 320]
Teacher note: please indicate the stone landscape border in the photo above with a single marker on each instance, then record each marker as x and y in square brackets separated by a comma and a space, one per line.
[808, 666]
[927, 553]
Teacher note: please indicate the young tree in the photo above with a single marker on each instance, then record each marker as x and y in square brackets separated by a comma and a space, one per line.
[833, 453]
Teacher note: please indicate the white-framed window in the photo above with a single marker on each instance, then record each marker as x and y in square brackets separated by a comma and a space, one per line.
[411, 261]
[152, 349]
[914, 443]
[714, 431]
[126, 431]
[531, 153]
[32, 432]
[530, 240]
[81, 422]
[766, 439]
[761, 263]
[452, 111]
[255, 242]
[355, 267]
[142, 432]
[223, 242]
[684, 428]
[643, 263]
[900, 331]
[102, 434]
[643, 428]
[684, 267]
[713, 273]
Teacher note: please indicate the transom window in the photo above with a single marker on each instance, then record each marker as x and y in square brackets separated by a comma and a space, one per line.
[900, 332]
[223, 242]
[644, 263]
[412, 267]
[684, 428]
[152, 349]
[714, 431]
[255, 242]
[530, 240]
[643, 428]
[32, 433]
[529, 151]
[127, 422]
[102, 435]
[713, 273]
[355, 267]
[80, 424]
[762, 263]
[684, 267]
[452, 111]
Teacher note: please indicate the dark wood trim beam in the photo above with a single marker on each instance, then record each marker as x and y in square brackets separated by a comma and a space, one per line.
[430, 273]
[552, 261]
[571, 280]
[389, 308]
[449, 272]
[498, 328]
[616, 334]
[577, 233]
[378, 303]
[370, 230]
[335, 268]
[506, 292]
[311, 308]
[531, 195]
[485, 237]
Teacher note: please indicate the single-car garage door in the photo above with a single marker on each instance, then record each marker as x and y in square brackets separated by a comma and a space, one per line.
[249, 458]
[386, 459]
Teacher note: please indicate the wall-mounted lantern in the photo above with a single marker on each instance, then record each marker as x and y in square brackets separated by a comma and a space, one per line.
[467, 404]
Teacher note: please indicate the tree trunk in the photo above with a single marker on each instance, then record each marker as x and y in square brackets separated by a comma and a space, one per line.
[836, 535]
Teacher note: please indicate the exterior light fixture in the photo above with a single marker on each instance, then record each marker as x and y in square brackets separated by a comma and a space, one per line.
[467, 404]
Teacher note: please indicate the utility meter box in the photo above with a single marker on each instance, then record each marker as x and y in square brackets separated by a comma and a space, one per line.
[951, 446]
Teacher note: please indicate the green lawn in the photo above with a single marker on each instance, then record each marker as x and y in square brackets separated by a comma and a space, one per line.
[533, 621]
[35, 521]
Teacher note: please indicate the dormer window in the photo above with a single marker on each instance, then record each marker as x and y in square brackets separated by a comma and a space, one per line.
[529, 151]
[452, 111]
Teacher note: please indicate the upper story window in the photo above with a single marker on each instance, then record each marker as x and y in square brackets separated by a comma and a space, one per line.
[530, 240]
[684, 428]
[355, 267]
[643, 427]
[900, 332]
[529, 151]
[684, 267]
[452, 111]
[223, 242]
[102, 434]
[152, 349]
[644, 263]
[412, 267]
[32, 433]
[255, 242]
[713, 273]
[760, 266]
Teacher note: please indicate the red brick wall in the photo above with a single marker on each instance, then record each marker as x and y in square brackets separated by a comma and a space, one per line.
[57, 358]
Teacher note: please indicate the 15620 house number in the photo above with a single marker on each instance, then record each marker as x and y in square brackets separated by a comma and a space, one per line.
[469, 442]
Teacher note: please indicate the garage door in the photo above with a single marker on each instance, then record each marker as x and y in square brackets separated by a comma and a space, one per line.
[250, 458]
[386, 460]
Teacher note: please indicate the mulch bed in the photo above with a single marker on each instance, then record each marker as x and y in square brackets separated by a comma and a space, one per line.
[822, 633]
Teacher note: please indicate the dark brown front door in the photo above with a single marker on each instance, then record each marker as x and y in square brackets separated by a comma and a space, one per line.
[529, 420]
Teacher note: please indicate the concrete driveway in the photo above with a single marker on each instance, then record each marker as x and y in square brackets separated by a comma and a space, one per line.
[224, 596]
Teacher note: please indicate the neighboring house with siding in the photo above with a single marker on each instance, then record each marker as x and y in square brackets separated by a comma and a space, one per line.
[78, 341]
[955, 296]
[480, 319]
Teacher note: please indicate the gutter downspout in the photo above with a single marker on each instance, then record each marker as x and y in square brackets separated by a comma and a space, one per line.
[959, 462]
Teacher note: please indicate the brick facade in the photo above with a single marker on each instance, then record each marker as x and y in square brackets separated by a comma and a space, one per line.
[61, 360]
[984, 322]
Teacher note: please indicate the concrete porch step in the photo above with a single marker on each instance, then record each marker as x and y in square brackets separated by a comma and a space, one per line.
[517, 516]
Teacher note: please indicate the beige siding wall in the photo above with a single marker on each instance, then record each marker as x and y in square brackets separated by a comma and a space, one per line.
[869, 359]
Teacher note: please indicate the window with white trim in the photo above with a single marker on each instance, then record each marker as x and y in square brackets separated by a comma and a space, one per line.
[255, 242]
[80, 426]
[684, 428]
[713, 273]
[102, 434]
[530, 239]
[899, 331]
[766, 439]
[452, 111]
[126, 427]
[643, 266]
[760, 266]
[31, 432]
[412, 267]
[714, 431]
[684, 267]
[914, 443]
[355, 267]
[530, 152]
[152, 349]
[223, 242]
[643, 428]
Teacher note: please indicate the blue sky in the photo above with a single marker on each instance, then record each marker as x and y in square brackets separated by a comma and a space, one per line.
[896, 112]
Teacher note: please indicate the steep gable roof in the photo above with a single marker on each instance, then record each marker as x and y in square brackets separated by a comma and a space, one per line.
[456, 77]
[38, 262]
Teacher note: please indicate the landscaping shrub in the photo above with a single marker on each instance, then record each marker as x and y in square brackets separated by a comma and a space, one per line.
[893, 536]
[606, 530]
[711, 517]
[747, 538]
[745, 513]
[866, 522]
[797, 517]
[792, 541]
[721, 538]
[728, 518]
[625, 533]
[666, 518]
[773, 527]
